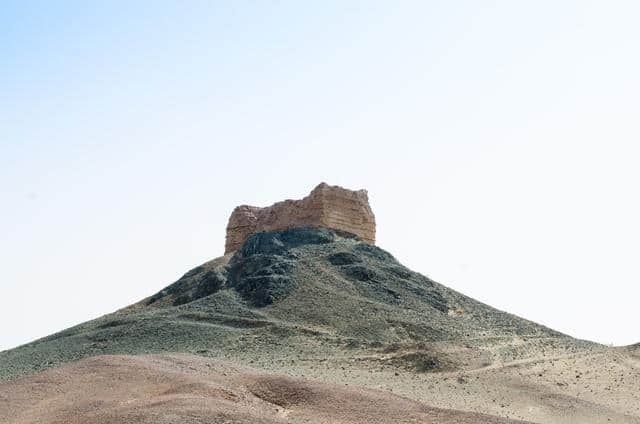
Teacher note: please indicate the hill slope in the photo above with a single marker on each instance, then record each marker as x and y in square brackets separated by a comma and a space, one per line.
[302, 294]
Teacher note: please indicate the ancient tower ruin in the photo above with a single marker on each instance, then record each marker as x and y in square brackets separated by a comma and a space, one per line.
[325, 207]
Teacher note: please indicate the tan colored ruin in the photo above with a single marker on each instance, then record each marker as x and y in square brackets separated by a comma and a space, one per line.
[326, 206]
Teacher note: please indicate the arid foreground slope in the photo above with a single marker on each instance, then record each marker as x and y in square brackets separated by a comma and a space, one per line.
[165, 389]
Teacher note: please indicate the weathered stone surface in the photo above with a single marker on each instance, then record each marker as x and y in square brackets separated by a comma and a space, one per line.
[325, 207]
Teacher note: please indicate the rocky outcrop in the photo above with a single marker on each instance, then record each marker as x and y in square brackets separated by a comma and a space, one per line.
[325, 207]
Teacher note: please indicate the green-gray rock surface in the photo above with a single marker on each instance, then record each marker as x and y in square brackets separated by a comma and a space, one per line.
[300, 295]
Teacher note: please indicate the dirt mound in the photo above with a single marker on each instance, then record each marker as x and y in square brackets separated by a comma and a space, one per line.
[189, 389]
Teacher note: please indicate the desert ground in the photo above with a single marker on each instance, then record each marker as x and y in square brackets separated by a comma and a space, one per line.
[166, 389]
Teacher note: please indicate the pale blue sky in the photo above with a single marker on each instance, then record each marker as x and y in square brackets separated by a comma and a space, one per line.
[498, 142]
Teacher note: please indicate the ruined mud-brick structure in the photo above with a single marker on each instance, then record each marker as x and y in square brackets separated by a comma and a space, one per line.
[326, 206]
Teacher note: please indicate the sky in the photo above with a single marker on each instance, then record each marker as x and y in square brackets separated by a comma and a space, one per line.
[498, 141]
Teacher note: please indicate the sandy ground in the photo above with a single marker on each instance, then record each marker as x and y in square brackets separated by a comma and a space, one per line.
[585, 388]
[582, 388]
[164, 389]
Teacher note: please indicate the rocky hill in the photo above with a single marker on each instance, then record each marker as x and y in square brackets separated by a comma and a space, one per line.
[299, 294]
[316, 300]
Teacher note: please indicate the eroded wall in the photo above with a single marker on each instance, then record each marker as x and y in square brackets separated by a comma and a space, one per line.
[326, 206]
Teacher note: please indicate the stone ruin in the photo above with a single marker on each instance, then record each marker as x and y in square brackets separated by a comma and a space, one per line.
[326, 206]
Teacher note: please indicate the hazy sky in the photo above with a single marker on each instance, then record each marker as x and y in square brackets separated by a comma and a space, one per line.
[498, 142]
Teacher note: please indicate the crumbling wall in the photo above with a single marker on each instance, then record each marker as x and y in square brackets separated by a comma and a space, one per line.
[326, 206]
